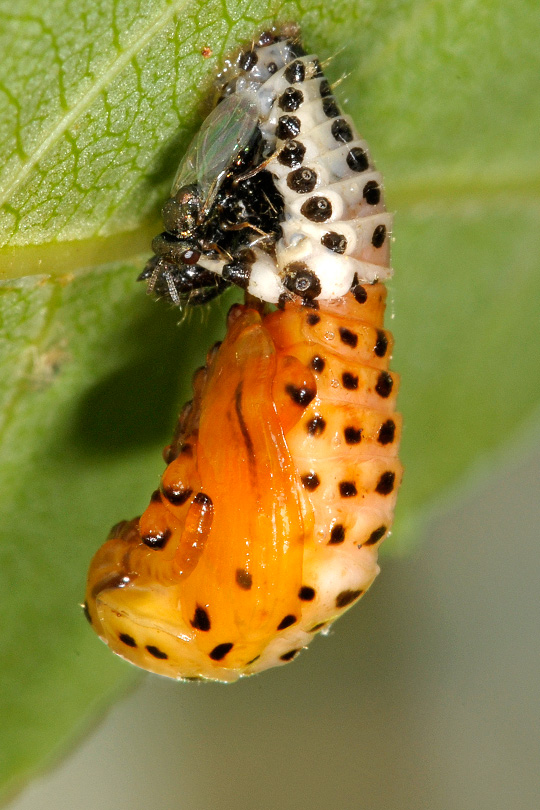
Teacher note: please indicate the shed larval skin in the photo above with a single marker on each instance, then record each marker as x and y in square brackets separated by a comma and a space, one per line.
[281, 483]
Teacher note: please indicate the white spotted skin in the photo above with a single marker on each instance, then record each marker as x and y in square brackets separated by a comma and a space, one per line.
[355, 214]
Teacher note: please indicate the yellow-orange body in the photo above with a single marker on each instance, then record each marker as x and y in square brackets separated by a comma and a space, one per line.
[281, 482]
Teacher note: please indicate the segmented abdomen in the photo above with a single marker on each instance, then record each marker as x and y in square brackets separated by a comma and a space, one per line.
[281, 483]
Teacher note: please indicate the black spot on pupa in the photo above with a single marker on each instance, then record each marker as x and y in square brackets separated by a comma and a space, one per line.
[346, 597]
[375, 536]
[312, 319]
[317, 209]
[317, 627]
[248, 663]
[311, 481]
[357, 160]
[292, 154]
[272, 68]
[372, 193]
[334, 241]
[349, 381]
[387, 432]
[125, 638]
[219, 652]
[301, 396]
[317, 363]
[341, 131]
[288, 127]
[360, 293]
[379, 235]
[248, 60]
[306, 593]
[330, 107]
[295, 72]
[155, 497]
[348, 337]
[384, 385]
[244, 579]
[288, 656]
[347, 489]
[201, 619]
[177, 496]
[156, 652]
[157, 540]
[286, 621]
[302, 180]
[352, 435]
[291, 99]
[299, 279]
[316, 426]
[203, 499]
[324, 88]
[386, 482]
[381, 344]
[337, 535]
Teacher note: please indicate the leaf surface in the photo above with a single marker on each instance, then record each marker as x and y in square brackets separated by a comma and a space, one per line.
[97, 101]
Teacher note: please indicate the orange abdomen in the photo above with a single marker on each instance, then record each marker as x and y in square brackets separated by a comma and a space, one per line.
[281, 483]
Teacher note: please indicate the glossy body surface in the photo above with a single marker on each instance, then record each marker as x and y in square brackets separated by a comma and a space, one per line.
[280, 485]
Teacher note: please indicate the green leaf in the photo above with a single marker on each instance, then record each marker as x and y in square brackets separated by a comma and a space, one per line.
[97, 101]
